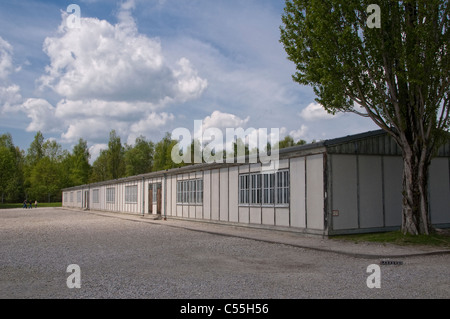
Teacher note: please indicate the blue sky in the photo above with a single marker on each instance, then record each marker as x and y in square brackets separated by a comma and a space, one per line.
[148, 67]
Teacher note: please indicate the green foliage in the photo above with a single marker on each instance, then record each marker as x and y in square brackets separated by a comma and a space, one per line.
[397, 74]
[163, 154]
[77, 164]
[115, 163]
[47, 168]
[139, 158]
[99, 168]
[398, 238]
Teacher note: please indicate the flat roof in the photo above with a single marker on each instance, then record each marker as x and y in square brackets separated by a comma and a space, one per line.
[376, 142]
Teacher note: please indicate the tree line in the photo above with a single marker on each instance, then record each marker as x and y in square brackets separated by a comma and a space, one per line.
[40, 172]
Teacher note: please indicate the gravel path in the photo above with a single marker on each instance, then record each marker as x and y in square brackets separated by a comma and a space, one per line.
[128, 259]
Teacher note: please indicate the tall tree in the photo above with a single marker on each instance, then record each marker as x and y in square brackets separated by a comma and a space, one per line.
[11, 175]
[115, 159]
[80, 168]
[36, 150]
[388, 62]
[7, 168]
[139, 158]
[163, 154]
[99, 171]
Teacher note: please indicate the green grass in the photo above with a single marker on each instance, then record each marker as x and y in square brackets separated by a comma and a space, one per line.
[441, 239]
[20, 205]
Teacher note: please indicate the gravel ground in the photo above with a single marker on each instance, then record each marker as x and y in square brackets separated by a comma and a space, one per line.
[128, 259]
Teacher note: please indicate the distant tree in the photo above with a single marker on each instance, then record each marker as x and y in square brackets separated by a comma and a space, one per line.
[139, 158]
[99, 172]
[77, 164]
[163, 154]
[45, 180]
[115, 157]
[7, 168]
[390, 65]
[36, 150]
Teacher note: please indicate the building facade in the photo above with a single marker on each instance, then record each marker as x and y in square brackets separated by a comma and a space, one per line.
[345, 185]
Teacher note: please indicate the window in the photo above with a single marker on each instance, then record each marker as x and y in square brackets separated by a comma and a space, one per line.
[110, 195]
[131, 194]
[155, 193]
[79, 197]
[199, 191]
[95, 196]
[190, 191]
[283, 187]
[244, 189]
[264, 189]
[179, 192]
[255, 187]
[71, 197]
[268, 188]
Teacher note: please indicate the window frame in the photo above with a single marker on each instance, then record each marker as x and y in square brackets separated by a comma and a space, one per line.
[131, 194]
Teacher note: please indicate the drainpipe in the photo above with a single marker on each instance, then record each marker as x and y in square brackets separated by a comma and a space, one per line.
[165, 196]
[143, 196]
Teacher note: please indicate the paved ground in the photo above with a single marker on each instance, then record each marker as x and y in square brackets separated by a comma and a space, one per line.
[123, 256]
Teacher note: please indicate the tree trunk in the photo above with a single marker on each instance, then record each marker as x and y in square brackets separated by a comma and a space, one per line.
[415, 215]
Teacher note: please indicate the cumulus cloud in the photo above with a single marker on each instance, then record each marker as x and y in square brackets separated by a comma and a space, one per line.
[224, 120]
[109, 76]
[6, 65]
[95, 150]
[109, 62]
[315, 111]
[42, 115]
[299, 134]
[10, 96]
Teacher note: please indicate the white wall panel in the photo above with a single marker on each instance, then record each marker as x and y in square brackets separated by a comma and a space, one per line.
[207, 195]
[344, 191]
[255, 215]
[315, 192]
[233, 194]
[439, 189]
[223, 197]
[370, 191]
[393, 190]
[268, 216]
[215, 180]
[298, 189]
[282, 216]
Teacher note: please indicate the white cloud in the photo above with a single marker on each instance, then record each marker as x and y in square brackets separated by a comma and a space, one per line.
[41, 114]
[115, 63]
[10, 98]
[299, 134]
[6, 65]
[150, 124]
[224, 120]
[315, 111]
[112, 77]
[95, 150]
